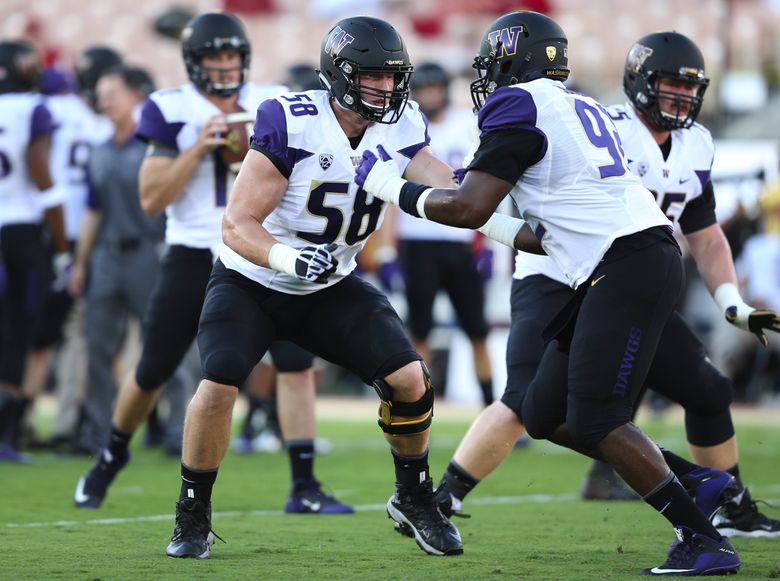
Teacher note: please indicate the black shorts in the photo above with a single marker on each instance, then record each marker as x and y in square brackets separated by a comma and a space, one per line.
[432, 265]
[535, 302]
[289, 358]
[612, 336]
[171, 318]
[350, 324]
[56, 310]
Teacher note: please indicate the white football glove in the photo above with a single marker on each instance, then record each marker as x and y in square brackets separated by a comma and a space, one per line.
[310, 263]
[62, 264]
[379, 176]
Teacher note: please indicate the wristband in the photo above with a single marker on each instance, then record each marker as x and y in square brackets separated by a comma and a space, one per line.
[407, 200]
[727, 295]
[282, 258]
[502, 228]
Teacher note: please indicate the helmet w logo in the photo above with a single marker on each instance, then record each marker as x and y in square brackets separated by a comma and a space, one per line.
[504, 40]
[337, 40]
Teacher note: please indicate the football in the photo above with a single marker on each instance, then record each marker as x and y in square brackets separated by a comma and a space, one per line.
[240, 127]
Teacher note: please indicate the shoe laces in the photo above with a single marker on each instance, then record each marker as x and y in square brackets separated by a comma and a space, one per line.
[444, 499]
[190, 522]
[747, 509]
[680, 554]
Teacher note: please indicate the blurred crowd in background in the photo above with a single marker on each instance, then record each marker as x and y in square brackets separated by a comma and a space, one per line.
[740, 40]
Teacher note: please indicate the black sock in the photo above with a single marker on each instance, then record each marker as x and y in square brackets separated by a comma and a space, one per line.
[411, 471]
[17, 421]
[301, 459]
[9, 408]
[670, 499]
[118, 442]
[734, 471]
[457, 481]
[197, 484]
[680, 466]
[486, 386]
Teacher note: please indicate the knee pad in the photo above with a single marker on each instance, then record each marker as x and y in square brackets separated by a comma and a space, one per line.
[710, 430]
[225, 366]
[404, 418]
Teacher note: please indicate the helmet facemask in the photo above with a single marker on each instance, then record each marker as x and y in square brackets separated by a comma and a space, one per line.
[357, 97]
[484, 85]
[687, 107]
[199, 74]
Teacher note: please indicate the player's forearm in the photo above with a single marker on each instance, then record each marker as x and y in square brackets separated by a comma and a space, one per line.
[713, 259]
[55, 223]
[446, 206]
[86, 242]
[162, 181]
[246, 236]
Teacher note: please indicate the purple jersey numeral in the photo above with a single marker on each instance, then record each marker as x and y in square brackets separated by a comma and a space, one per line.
[593, 122]
[5, 165]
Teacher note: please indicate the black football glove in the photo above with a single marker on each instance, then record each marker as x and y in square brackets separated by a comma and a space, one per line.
[756, 321]
[316, 263]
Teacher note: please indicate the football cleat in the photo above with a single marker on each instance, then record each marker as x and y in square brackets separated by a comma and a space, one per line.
[307, 497]
[92, 488]
[14, 456]
[602, 483]
[740, 517]
[693, 554]
[709, 488]
[192, 536]
[417, 515]
[449, 504]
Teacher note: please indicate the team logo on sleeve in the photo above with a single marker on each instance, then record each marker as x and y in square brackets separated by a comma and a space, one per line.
[326, 160]
[642, 168]
[504, 41]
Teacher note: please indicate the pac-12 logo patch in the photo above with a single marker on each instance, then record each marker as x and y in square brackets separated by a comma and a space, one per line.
[326, 160]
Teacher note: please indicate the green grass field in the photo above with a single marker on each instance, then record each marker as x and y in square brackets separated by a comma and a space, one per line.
[527, 521]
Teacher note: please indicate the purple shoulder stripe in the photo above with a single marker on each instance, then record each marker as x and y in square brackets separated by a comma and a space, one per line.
[412, 150]
[508, 108]
[41, 122]
[154, 127]
[270, 134]
[704, 177]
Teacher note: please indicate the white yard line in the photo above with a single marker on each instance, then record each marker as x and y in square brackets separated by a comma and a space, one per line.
[528, 499]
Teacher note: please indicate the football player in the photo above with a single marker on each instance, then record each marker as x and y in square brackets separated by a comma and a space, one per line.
[292, 228]
[79, 127]
[558, 155]
[184, 175]
[29, 200]
[664, 80]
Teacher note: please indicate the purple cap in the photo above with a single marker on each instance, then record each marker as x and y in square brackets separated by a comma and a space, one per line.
[55, 81]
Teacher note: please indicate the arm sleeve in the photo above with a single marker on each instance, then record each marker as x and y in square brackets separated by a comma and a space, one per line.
[699, 212]
[506, 154]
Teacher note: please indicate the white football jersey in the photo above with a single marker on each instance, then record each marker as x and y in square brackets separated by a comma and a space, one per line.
[450, 140]
[23, 117]
[301, 135]
[174, 118]
[674, 181]
[580, 196]
[78, 129]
